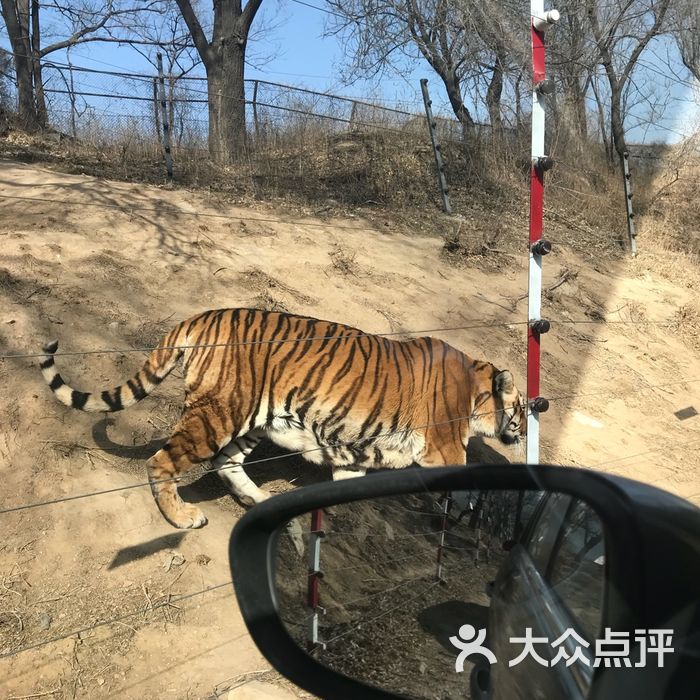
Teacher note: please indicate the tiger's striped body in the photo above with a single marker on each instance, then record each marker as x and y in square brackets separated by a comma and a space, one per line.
[346, 399]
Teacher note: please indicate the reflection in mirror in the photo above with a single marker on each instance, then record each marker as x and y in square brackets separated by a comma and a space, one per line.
[389, 591]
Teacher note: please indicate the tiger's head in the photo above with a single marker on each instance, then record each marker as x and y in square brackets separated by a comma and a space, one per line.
[499, 407]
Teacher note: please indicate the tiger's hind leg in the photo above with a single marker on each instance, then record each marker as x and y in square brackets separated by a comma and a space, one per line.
[191, 443]
[229, 465]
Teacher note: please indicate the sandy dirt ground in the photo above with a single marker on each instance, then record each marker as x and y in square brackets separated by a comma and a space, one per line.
[99, 264]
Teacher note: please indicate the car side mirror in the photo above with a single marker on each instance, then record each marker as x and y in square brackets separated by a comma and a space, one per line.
[376, 587]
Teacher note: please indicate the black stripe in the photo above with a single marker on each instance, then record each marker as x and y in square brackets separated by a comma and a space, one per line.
[288, 400]
[56, 383]
[48, 362]
[395, 421]
[347, 365]
[375, 412]
[78, 399]
[321, 365]
[481, 399]
[150, 377]
[304, 409]
[283, 335]
[137, 388]
[114, 403]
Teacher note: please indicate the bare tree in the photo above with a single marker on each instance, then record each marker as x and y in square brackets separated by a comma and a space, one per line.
[379, 33]
[622, 29]
[5, 79]
[504, 52]
[77, 23]
[224, 60]
[470, 44]
[573, 58]
[168, 35]
[685, 26]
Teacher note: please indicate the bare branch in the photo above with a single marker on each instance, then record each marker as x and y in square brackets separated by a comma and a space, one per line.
[200, 40]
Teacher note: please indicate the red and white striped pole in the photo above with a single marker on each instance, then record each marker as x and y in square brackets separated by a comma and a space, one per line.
[540, 22]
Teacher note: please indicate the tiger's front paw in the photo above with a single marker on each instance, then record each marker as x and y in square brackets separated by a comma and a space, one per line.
[187, 517]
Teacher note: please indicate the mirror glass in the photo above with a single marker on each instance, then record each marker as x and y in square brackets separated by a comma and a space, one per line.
[426, 595]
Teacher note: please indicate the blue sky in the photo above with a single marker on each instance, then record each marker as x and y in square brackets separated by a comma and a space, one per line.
[295, 53]
[298, 54]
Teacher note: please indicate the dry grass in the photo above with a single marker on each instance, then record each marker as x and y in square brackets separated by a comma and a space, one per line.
[343, 260]
[333, 168]
[686, 324]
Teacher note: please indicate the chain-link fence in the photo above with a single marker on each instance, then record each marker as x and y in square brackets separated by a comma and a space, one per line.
[300, 143]
[105, 107]
[297, 140]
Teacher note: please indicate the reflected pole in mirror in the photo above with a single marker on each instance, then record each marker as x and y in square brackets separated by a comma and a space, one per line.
[517, 527]
[445, 511]
[475, 523]
[314, 581]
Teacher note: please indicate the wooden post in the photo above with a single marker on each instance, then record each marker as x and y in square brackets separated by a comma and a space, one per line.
[442, 182]
[164, 116]
[628, 199]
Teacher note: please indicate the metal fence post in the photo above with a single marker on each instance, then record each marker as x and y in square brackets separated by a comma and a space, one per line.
[255, 109]
[353, 115]
[442, 182]
[628, 199]
[164, 116]
[156, 112]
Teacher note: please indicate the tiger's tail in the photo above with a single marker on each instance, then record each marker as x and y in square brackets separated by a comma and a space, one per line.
[157, 367]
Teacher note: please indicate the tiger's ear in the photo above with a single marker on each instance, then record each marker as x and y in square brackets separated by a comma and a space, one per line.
[504, 382]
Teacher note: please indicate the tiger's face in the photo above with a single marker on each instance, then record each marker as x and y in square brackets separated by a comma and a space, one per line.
[499, 408]
[510, 418]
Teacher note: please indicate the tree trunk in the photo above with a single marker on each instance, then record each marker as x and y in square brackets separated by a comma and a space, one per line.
[493, 97]
[16, 16]
[25, 93]
[518, 103]
[454, 94]
[579, 109]
[42, 114]
[616, 123]
[224, 60]
[574, 110]
[226, 92]
[601, 125]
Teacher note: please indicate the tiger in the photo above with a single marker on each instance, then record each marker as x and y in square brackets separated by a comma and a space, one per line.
[336, 395]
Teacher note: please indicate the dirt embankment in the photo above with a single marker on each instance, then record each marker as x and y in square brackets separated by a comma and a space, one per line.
[99, 264]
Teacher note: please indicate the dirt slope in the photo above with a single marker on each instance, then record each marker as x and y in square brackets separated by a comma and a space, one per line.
[100, 264]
